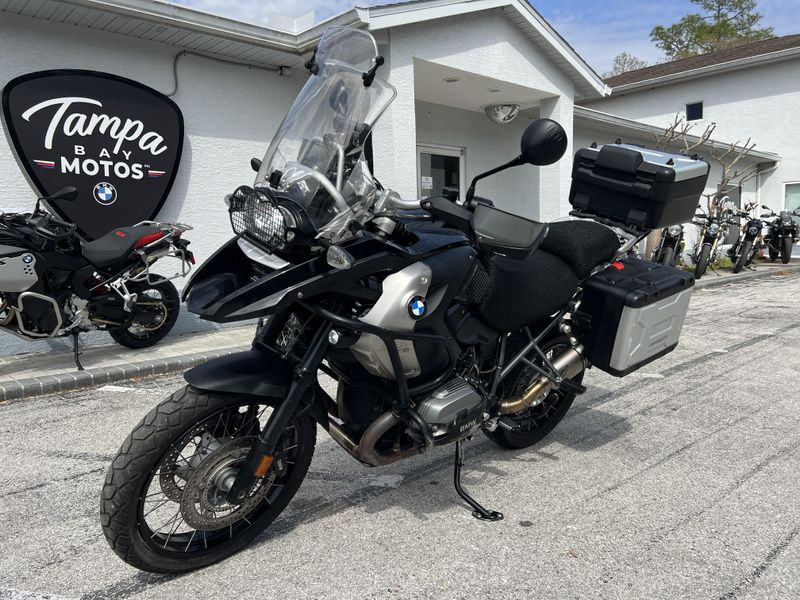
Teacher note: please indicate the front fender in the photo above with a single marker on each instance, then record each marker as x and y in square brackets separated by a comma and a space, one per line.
[254, 373]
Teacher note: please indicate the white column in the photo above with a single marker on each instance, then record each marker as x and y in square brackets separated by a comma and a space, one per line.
[554, 180]
[394, 141]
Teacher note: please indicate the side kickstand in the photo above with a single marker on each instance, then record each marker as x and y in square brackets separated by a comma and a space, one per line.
[77, 354]
[480, 512]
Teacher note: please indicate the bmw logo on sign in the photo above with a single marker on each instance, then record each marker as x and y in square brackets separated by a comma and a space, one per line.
[417, 307]
[105, 193]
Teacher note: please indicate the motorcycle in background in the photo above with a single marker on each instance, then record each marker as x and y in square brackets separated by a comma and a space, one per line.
[713, 228]
[782, 233]
[671, 246]
[744, 248]
[52, 284]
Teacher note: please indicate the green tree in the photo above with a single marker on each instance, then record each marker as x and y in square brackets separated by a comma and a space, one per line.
[624, 62]
[721, 24]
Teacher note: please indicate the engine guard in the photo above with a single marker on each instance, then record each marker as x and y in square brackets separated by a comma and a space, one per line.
[254, 373]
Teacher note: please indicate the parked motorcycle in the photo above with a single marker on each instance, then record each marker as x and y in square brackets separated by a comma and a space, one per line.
[54, 285]
[746, 245]
[671, 246]
[713, 228]
[434, 319]
[782, 233]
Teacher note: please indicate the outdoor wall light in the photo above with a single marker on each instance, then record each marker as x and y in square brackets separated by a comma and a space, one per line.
[451, 79]
[502, 113]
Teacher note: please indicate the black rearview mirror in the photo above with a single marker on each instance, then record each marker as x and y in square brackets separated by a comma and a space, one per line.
[67, 194]
[255, 164]
[543, 142]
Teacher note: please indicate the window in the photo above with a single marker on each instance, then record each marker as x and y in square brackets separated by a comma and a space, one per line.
[694, 111]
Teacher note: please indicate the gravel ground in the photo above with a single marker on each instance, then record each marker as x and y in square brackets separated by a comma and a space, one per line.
[679, 481]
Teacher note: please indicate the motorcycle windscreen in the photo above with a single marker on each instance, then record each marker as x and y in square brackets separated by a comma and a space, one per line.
[315, 158]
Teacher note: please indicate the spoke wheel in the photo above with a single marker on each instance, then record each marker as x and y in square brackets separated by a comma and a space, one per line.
[170, 514]
[160, 302]
[534, 422]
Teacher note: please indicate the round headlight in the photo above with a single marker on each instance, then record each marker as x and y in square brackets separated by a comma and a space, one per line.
[713, 229]
[753, 230]
[675, 230]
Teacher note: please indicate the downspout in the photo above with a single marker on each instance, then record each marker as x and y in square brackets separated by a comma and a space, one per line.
[758, 181]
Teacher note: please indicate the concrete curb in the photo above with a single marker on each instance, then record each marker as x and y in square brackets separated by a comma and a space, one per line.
[711, 280]
[64, 382]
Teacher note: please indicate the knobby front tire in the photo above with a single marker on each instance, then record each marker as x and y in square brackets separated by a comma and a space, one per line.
[143, 476]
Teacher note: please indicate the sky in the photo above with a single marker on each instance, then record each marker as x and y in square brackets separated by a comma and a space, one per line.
[597, 30]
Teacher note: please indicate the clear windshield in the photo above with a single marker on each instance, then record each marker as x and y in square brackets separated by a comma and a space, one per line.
[315, 158]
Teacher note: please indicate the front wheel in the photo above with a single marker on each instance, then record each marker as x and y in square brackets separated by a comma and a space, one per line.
[163, 506]
[786, 250]
[702, 261]
[744, 256]
[154, 314]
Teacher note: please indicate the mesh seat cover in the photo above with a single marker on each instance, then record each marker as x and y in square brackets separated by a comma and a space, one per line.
[583, 245]
[115, 246]
[516, 293]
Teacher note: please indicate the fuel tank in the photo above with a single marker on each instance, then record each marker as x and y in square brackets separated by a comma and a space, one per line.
[232, 286]
[19, 269]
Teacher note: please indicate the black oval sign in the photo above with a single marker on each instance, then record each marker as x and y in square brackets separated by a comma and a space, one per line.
[116, 140]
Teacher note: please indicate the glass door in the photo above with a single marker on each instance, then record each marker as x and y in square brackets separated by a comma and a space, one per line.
[439, 167]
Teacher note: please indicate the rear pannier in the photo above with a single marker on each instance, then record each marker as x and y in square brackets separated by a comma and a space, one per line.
[643, 188]
[633, 311]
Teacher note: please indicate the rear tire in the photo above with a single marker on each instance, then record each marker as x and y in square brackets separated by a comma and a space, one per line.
[786, 250]
[131, 336]
[744, 256]
[156, 442]
[538, 421]
[702, 261]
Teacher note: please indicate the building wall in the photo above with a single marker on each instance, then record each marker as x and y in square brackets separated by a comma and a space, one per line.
[488, 44]
[486, 145]
[759, 103]
[230, 113]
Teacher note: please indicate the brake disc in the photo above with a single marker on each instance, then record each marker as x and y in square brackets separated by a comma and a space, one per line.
[203, 503]
[176, 469]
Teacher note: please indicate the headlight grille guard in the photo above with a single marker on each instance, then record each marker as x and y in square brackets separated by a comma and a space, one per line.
[256, 215]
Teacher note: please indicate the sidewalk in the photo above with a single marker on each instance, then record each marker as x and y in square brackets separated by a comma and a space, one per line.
[762, 269]
[33, 374]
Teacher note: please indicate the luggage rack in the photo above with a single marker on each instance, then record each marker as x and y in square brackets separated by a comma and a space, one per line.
[631, 233]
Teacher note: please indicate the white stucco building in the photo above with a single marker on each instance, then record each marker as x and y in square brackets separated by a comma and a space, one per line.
[448, 59]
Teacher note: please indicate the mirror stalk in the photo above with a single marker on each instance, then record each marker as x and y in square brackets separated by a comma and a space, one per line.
[512, 163]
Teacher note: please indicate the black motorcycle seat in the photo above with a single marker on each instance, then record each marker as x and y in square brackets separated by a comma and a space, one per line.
[583, 245]
[512, 293]
[113, 248]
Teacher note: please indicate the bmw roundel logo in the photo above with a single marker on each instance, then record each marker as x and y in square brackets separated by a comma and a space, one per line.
[417, 307]
[27, 258]
[105, 193]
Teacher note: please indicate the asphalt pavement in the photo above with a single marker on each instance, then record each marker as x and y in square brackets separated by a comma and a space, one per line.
[679, 481]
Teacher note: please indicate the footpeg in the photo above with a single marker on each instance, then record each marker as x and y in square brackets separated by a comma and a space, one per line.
[508, 424]
[572, 386]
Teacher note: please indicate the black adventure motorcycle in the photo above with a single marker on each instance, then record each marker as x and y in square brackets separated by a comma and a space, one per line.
[435, 320]
[782, 233]
[671, 246]
[54, 285]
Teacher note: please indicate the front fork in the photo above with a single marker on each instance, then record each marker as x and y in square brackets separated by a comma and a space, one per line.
[260, 458]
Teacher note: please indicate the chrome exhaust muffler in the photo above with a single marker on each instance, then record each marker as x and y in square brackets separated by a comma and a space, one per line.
[569, 363]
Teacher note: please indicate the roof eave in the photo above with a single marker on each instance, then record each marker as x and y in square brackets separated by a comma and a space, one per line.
[405, 13]
[596, 116]
[733, 65]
